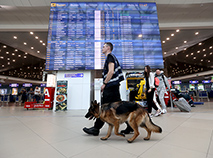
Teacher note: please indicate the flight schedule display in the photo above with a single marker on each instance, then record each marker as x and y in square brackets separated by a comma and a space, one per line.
[78, 30]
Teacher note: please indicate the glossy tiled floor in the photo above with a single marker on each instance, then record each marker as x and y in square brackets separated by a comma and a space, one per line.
[48, 134]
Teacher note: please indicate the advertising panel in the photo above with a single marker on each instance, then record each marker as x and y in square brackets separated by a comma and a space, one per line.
[61, 95]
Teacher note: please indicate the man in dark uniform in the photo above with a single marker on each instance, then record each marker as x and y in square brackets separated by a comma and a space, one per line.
[112, 75]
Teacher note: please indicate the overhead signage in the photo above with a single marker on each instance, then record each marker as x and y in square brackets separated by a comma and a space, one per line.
[194, 82]
[77, 75]
[78, 30]
[14, 85]
[43, 84]
[27, 84]
[206, 81]
[176, 82]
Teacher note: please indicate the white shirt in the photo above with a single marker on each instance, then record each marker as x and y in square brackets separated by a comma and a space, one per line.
[37, 91]
[151, 80]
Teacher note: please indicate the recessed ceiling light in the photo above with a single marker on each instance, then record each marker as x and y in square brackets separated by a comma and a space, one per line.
[167, 38]
[26, 53]
[8, 58]
[200, 43]
[176, 47]
[211, 53]
[38, 51]
[2, 65]
[194, 58]
[19, 55]
[192, 53]
[4, 46]
[163, 41]
[16, 50]
[13, 53]
[210, 47]
[185, 42]
[204, 55]
[184, 49]
[14, 60]
[25, 56]
[172, 34]
[31, 33]
[41, 41]
[138, 36]
[204, 50]
[36, 37]
[8, 63]
[14, 37]
[209, 61]
[7, 52]
[43, 44]
[196, 33]
[25, 43]
[32, 47]
[187, 55]
[177, 30]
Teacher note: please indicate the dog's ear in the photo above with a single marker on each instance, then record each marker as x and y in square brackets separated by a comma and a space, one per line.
[95, 101]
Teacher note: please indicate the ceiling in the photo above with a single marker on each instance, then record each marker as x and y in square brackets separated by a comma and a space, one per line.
[20, 17]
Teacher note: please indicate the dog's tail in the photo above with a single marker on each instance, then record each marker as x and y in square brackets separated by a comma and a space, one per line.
[150, 125]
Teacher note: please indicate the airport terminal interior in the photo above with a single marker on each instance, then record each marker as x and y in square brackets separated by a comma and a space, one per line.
[51, 69]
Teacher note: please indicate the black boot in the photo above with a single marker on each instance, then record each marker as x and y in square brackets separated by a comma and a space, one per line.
[93, 131]
[127, 130]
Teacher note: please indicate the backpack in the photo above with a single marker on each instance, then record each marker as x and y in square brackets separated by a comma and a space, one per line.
[157, 81]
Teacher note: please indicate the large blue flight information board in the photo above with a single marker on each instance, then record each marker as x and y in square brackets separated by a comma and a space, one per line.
[78, 30]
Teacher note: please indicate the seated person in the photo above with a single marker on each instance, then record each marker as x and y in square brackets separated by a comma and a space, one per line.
[186, 96]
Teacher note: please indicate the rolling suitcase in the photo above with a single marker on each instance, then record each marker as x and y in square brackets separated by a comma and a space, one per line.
[182, 104]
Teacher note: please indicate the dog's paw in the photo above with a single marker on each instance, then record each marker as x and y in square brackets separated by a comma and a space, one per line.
[103, 138]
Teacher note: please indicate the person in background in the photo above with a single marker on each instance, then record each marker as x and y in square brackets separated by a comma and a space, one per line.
[185, 96]
[155, 100]
[30, 95]
[112, 76]
[37, 93]
[161, 82]
[150, 90]
[24, 95]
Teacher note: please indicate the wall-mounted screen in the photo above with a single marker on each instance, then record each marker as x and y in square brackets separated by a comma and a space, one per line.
[3, 91]
[78, 30]
[200, 87]
[14, 91]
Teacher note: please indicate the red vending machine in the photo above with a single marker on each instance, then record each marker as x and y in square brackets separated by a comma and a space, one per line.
[49, 97]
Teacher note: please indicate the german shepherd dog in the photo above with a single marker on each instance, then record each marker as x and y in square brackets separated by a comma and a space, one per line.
[119, 112]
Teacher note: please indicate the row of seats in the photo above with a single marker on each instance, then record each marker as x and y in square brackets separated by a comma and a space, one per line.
[6, 99]
[198, 95]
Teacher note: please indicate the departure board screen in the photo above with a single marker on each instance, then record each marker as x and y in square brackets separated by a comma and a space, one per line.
[78, 30]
